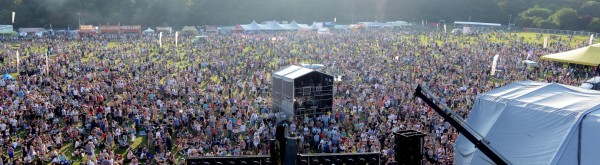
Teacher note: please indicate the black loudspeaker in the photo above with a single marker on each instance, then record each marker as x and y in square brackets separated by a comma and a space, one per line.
[280, 137]
[408, 147]
[339, 158]
[291, 151]
[227, 160]
[274, 151]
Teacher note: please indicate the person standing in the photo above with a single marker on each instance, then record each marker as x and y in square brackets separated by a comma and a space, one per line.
[11, 153]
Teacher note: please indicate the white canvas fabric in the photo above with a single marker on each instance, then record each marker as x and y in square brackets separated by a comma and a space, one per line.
[535, 123]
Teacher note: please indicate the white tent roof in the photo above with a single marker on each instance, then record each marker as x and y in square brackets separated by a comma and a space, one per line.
[298, 73]
[535, 123]
[296, 26]
[272, 25]
[476, 23]
[148, 31]
[287, 70]
[253, 26]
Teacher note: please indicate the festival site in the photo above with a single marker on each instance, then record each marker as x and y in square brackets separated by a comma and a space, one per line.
[112, 94]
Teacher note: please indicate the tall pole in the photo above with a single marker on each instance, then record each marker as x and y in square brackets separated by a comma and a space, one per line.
[79, 18]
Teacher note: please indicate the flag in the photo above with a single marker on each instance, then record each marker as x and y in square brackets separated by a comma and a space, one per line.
[546, 42]
[47, 65]
[18, 60]
[494, 63]
[445, 29]
[176, 36]
[160, 39]
[13, 17]
[591, 39]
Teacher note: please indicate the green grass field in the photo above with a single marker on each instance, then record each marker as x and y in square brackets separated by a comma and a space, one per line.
[141, 141]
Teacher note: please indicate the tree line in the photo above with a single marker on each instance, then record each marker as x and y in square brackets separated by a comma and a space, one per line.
[563, 14]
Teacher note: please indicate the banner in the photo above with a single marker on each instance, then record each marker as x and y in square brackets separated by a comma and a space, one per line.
[176, 37]
[110, 29]
[160, 39]
[86, 27]
[164, 29]
[545, 42]
[592, 39]
[13, 17]
[494, 63]
[6, 29]
[131, 29]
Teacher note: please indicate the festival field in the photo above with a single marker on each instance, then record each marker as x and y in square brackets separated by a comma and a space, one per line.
[179, 60]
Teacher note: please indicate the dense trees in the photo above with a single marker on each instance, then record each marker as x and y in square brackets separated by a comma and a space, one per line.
[526, 13]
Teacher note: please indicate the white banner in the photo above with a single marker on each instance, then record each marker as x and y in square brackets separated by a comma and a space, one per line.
[494, 63]
[13, 17]
[176, 38]
[592, 39]
[160, 39]
[6, 28]
[545, 42]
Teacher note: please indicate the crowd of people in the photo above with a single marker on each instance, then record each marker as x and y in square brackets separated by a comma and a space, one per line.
[130, 101]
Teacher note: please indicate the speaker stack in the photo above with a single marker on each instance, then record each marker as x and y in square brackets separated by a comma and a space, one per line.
[408, 148]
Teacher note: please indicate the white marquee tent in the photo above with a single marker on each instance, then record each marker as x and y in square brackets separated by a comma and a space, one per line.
[294, 25]
[535, 123]
[253, 27]
[148, 31]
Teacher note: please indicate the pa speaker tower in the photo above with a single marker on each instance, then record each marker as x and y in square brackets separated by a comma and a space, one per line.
[408, 147]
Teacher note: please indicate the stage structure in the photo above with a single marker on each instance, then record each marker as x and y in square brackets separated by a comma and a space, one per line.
[298, 91]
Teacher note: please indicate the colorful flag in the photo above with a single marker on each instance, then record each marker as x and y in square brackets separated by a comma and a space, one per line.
[18, 60]
[494, 63]
[47, 65]
[445, 29]
[160, 39]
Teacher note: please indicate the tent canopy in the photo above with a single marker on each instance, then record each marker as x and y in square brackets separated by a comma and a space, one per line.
[535, 123]
[148, 31]
[253, 27]
[189, 29]
[589, 55]
[272, 25]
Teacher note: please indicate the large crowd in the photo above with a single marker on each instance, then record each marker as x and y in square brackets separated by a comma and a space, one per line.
[100, 95]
